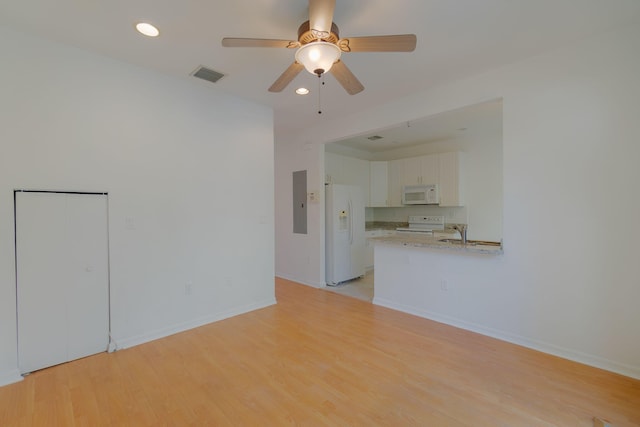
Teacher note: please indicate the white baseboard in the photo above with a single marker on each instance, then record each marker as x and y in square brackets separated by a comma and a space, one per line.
[121, 343]
[302, 282]
[565, 353]
[9, 377]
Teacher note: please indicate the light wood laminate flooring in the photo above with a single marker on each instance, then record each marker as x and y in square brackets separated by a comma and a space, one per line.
[318, 358]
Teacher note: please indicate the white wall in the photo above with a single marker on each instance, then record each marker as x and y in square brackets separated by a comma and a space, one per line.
[168, 152]
[568, 280]
[299, 256]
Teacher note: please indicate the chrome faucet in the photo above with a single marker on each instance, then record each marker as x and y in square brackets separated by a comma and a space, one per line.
[462, 229]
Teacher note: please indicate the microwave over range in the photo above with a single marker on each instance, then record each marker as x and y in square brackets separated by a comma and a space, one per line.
[420, 194]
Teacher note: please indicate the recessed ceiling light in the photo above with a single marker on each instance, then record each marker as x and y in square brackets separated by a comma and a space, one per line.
[302, 91]
[147, 29]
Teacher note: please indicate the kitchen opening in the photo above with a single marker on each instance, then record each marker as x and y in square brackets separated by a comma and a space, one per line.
[439, 176]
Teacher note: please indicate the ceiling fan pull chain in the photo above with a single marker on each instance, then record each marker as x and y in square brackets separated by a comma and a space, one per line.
[320, 84]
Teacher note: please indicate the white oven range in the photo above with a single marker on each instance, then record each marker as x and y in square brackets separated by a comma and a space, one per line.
[423, 225]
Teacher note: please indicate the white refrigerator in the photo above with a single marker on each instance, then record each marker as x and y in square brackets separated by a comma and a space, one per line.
[345, 238]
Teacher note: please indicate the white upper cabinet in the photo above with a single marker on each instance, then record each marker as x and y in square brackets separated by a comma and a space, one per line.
[379, 184]
[444, 169]
[394, 172]
[410, 171]
[347, 170]
[429, 169]
[382, 181]
[450, 181]
[420, 170]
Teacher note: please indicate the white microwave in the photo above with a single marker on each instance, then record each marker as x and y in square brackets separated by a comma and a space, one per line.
[420, 194]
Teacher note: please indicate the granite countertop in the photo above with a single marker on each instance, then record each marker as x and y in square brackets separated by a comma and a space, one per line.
[425, 241]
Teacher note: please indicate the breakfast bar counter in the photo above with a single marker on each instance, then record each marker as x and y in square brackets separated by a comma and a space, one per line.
[418, 240]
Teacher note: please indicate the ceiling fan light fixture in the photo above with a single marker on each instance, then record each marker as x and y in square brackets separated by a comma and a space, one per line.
[302, 91]
[318, 57]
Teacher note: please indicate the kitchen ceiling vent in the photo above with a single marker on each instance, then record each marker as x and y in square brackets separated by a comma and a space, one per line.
[374, 137]
[207, 74]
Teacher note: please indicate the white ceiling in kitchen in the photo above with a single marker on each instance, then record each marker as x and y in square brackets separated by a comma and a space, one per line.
[475, 121]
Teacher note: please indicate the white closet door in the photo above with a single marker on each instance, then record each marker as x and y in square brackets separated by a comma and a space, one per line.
[62, 277]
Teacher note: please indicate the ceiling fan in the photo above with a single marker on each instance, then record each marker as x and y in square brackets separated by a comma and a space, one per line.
[320, 47]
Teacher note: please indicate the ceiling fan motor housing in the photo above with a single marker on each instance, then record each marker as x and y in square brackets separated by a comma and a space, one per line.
[308, 35]
[318, 48]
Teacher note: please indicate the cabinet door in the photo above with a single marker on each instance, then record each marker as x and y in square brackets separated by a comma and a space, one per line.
[332, 168]
[411, 171]
[370, 248]
[450, 179]
[379, 185]
[347, 171]
[420, 170]
[429, 169]
[395, 182]
[356, 172]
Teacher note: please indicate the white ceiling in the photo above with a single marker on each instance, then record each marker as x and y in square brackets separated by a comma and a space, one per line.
[471, 122]
[456, 38]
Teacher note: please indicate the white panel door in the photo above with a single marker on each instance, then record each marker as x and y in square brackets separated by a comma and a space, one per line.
[62, 277]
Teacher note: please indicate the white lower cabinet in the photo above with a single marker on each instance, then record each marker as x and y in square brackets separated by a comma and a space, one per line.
[369, 247]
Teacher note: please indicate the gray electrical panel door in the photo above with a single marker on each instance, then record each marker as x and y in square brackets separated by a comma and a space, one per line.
[300, 202]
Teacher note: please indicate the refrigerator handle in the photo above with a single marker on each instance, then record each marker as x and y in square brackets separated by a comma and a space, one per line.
[350, 222]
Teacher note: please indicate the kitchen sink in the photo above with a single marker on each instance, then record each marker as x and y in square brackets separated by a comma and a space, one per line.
[471, 242]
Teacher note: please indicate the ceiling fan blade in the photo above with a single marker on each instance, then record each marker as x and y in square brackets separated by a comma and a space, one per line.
[321, 16]
[239, 42]
[396, 43]
[286, 77]
[346, 78]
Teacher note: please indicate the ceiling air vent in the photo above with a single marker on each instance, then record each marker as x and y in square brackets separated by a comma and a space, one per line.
[207, 74]
[374, 137]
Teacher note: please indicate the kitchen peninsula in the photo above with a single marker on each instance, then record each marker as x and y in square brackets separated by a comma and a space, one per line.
[438, 280]
[439, 243]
